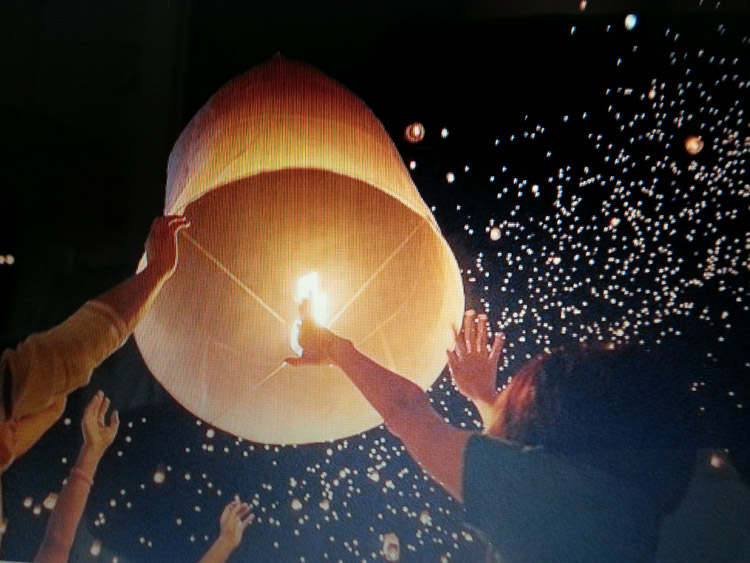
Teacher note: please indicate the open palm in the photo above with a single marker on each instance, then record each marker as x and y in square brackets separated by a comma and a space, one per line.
[472, 363]
[98, 435]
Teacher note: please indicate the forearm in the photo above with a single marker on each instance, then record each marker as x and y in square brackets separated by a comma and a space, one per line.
[387, 392]
[408, 414]
[132, 299]
[219, 551]
[63, 522]
[397, 399]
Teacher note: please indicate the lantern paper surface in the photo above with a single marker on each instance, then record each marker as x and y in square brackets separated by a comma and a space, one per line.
[284, 173]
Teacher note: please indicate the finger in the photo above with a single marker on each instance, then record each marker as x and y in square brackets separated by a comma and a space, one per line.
[175, 223]
[469, 330]
[458, 338]
[239, 509]
[103, 407]
[247, 520]
[227, 510]
[452, 361]
[114, 421]
[481, 339]
[497, 346]
[93, 407]
[242, 510]
[297, 361]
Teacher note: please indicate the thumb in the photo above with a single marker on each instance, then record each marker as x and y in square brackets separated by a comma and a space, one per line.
[452, 361]
[297, 361]
[114, 421]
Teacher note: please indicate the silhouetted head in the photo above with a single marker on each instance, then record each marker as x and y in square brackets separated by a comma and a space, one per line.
[625, 411]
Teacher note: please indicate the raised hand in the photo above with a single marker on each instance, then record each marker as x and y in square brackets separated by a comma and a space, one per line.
[234, 519]
[472, 363]
[317, 342]
[97, 435]
[161, 245]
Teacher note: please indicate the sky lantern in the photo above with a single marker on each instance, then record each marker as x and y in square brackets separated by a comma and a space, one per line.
[295, 192]
[693, 144]
[414, 132]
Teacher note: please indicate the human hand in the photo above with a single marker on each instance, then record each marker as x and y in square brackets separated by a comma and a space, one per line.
[316, 342]
[472, 365]
[161, 245]
[233, 521]
[317, 345]
[98, 436]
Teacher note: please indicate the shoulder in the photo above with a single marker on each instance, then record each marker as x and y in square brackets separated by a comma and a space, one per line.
[534, 504]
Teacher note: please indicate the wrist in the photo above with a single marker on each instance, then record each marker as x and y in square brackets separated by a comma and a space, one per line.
[156, 272]
[88, 459]
[225, 543]
[488, 409]
[339, 348]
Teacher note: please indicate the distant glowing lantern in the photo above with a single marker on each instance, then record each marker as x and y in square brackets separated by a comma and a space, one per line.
[425, 518]
[693, 144]
[391, 547]
[495, 233]
[295, 192]
[414, 133]
[51, 501]
[717, 461]
[630, 21]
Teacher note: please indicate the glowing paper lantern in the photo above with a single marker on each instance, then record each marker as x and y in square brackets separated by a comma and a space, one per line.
[288, 178]
[693, 145]
[391, 548]
[414, 133]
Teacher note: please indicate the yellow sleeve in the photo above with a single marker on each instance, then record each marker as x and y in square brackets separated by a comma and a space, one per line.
[47, 366]
[18, 435]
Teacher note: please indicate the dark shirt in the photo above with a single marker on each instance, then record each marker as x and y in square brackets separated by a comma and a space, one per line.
[533, 506]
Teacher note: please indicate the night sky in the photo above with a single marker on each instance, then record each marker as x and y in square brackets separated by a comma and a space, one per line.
[555, 162]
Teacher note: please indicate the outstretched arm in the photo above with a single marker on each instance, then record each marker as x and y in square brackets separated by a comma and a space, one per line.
[132, 298]
[46, 367]
[234, 519]
[436, 445]
[63, 522]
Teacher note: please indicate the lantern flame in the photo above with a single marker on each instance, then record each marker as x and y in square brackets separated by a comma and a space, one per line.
[308, 295]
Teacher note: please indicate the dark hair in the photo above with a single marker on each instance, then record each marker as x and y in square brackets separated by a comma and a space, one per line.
[625, 411]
